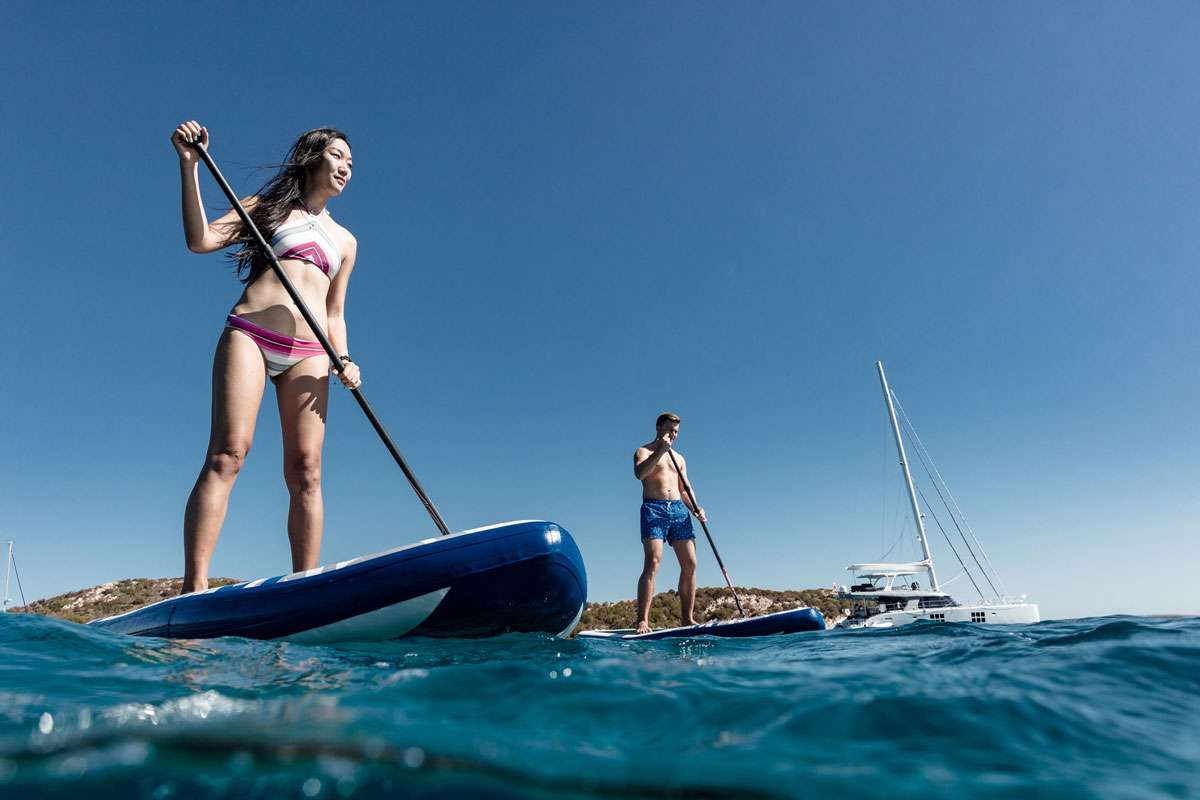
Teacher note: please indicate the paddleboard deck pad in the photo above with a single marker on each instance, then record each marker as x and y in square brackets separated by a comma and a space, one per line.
[525, 576]
[796, 620]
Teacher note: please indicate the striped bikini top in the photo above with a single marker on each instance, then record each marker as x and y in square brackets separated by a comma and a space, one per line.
[307, 240]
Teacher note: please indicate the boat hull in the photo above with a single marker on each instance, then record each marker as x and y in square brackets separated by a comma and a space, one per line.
[796, 620]
[1010, 614]
[514, 577]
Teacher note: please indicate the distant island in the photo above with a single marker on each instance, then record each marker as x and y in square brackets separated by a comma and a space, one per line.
[712, 603]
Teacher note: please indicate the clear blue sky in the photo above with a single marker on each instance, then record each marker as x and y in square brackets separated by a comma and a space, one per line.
[572, 217]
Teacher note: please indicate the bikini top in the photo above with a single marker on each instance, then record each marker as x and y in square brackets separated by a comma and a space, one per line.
[307, 240]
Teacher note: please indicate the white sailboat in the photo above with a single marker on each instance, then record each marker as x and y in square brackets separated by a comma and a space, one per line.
[6, 601]
[887, 595]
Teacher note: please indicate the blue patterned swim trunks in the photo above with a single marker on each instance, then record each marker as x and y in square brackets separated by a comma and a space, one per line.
[666, 519]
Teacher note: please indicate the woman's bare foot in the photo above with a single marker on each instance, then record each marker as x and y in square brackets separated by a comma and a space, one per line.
[643, 626]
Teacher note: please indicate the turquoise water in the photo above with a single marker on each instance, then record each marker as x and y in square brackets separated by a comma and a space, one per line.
[1105, 707]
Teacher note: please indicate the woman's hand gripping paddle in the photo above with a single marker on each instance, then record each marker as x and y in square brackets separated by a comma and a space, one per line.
[321, 337]
[687, 488]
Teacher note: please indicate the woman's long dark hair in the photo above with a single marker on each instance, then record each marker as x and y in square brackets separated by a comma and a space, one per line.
[278, 198]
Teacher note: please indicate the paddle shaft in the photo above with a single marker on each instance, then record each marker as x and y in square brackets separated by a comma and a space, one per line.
[687, 488]
[320, 334]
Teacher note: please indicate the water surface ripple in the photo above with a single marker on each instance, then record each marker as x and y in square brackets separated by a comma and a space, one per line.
[1105, 708]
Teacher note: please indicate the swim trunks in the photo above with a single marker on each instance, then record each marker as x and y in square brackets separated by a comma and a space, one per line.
[666, 519]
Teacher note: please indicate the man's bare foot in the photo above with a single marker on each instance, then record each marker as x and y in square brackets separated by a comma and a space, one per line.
[687, 623]
[643, 626]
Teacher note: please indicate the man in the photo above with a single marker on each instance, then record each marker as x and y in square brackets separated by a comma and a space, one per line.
[665, 506]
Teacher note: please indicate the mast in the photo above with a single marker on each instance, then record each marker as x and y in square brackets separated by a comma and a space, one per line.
[908, 481]
[7, 573]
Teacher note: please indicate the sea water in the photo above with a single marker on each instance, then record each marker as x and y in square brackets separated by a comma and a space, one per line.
[1106, 707]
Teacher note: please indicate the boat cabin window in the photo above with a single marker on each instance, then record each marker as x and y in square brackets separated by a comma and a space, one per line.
[937, 602]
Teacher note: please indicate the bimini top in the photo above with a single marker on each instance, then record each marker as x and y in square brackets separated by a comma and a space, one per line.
[889, 570]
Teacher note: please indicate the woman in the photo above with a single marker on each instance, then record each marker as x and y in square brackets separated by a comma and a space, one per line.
[265, 335]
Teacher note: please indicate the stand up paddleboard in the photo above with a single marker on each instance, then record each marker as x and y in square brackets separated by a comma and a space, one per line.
[514, 577]
[797, 620]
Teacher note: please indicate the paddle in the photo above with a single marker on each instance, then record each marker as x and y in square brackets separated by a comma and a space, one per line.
[321, 337]
[687, 488]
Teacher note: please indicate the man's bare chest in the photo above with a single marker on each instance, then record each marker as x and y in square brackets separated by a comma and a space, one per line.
[664, 469]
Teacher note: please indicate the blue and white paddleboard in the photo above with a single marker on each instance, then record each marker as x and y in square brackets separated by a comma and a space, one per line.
[523, 576]
[796, 620]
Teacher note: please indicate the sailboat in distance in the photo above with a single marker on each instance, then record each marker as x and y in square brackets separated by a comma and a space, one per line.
[888, 595]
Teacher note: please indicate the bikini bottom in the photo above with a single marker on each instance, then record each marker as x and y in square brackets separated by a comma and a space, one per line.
[280, 352]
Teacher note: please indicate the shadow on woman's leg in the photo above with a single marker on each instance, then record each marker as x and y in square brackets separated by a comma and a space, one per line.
[303, 394]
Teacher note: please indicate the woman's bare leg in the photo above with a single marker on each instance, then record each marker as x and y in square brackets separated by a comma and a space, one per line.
[303, 393]
[238, 381]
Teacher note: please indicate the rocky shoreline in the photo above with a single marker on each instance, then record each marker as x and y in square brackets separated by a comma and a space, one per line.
[107, 599]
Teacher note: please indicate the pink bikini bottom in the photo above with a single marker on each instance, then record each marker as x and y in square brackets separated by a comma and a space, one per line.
[280, 352]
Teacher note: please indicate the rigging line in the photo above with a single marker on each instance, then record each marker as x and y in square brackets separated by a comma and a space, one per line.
[910, 431]
[956, 577]
[982, 571]
[17, 572]
[883, 493]
[921, 446]
[899, 514]
[897, 541]
[966, 571]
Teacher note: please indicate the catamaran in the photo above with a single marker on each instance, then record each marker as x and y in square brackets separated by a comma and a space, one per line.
[887, 595]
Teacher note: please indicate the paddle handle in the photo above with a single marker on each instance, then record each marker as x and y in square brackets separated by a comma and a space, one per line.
[687, 488]
[277, 268]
